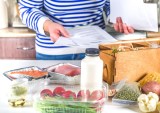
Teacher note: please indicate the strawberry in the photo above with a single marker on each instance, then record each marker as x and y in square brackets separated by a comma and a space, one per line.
[96, 95]
[46, 92]
[83, 94]
[69, 94]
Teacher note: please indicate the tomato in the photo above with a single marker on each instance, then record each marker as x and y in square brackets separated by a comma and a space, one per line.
[69, 94]
[58, 91]
[96, 95]
[83, 94]
[46, 92]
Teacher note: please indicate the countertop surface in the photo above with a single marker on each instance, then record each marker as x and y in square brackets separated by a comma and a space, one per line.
[6, 65]
[16, 32]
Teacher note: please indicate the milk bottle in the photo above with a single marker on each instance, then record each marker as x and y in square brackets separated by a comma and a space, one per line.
[91, 70]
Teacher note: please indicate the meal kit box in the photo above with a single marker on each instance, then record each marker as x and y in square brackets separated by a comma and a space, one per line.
[130, 60]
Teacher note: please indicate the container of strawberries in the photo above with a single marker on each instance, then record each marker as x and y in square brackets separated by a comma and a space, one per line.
[69, 99]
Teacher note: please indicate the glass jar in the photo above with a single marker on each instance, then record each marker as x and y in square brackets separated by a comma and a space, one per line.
[17, 92]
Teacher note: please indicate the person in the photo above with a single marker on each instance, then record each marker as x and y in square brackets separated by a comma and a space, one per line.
[54, 16]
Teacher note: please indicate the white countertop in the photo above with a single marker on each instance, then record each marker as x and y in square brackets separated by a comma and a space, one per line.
[6, 65]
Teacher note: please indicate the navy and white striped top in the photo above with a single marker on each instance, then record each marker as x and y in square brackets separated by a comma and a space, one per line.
[69, 13]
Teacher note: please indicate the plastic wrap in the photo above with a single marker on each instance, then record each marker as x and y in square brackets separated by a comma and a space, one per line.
[69, 99]
[63, 73]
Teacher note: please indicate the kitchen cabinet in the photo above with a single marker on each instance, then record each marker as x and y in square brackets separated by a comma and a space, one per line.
[17, 48]
[17, 43]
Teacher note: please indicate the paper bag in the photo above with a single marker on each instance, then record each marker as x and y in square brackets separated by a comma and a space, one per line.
[130, 61]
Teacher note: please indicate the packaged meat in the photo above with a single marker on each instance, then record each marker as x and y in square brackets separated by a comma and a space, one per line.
[64, 73]
[67, 69]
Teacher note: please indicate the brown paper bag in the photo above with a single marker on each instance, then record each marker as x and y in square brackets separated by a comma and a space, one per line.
[131, 62]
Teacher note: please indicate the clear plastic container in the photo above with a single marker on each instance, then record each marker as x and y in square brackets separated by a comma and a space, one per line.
[123, 102]
[18, 92]
[63, 73]
[31, 73]
[69, 99]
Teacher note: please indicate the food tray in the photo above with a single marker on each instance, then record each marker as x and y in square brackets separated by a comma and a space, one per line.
[70, 100]
[55, 77]
[123, 102]
[30, 73]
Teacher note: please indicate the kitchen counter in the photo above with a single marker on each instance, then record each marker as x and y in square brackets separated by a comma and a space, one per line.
[6, 65]
[16, 32]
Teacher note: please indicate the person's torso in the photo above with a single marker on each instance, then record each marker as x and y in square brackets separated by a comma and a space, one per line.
[70, 13]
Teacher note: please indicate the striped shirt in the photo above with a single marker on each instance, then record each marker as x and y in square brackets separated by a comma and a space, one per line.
[69, 13]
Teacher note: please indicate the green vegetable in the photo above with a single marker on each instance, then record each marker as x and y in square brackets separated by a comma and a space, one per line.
[114, 50]
[60, 106]
[19, 90]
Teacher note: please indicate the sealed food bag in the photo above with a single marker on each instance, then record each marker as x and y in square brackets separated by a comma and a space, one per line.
[128, 94]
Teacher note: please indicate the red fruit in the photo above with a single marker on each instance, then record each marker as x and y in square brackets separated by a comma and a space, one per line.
[58, 91]
[69, 94]
[83, 94]
[46, 92]
[96, 95]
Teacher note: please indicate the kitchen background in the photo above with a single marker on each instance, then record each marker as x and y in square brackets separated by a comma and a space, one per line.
[13, 13]
[16, 40]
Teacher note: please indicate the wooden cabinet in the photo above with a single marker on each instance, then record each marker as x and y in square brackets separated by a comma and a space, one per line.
[17, 48]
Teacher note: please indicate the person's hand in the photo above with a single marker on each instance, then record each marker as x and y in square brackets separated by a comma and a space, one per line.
[121, 27]
[55, 30]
